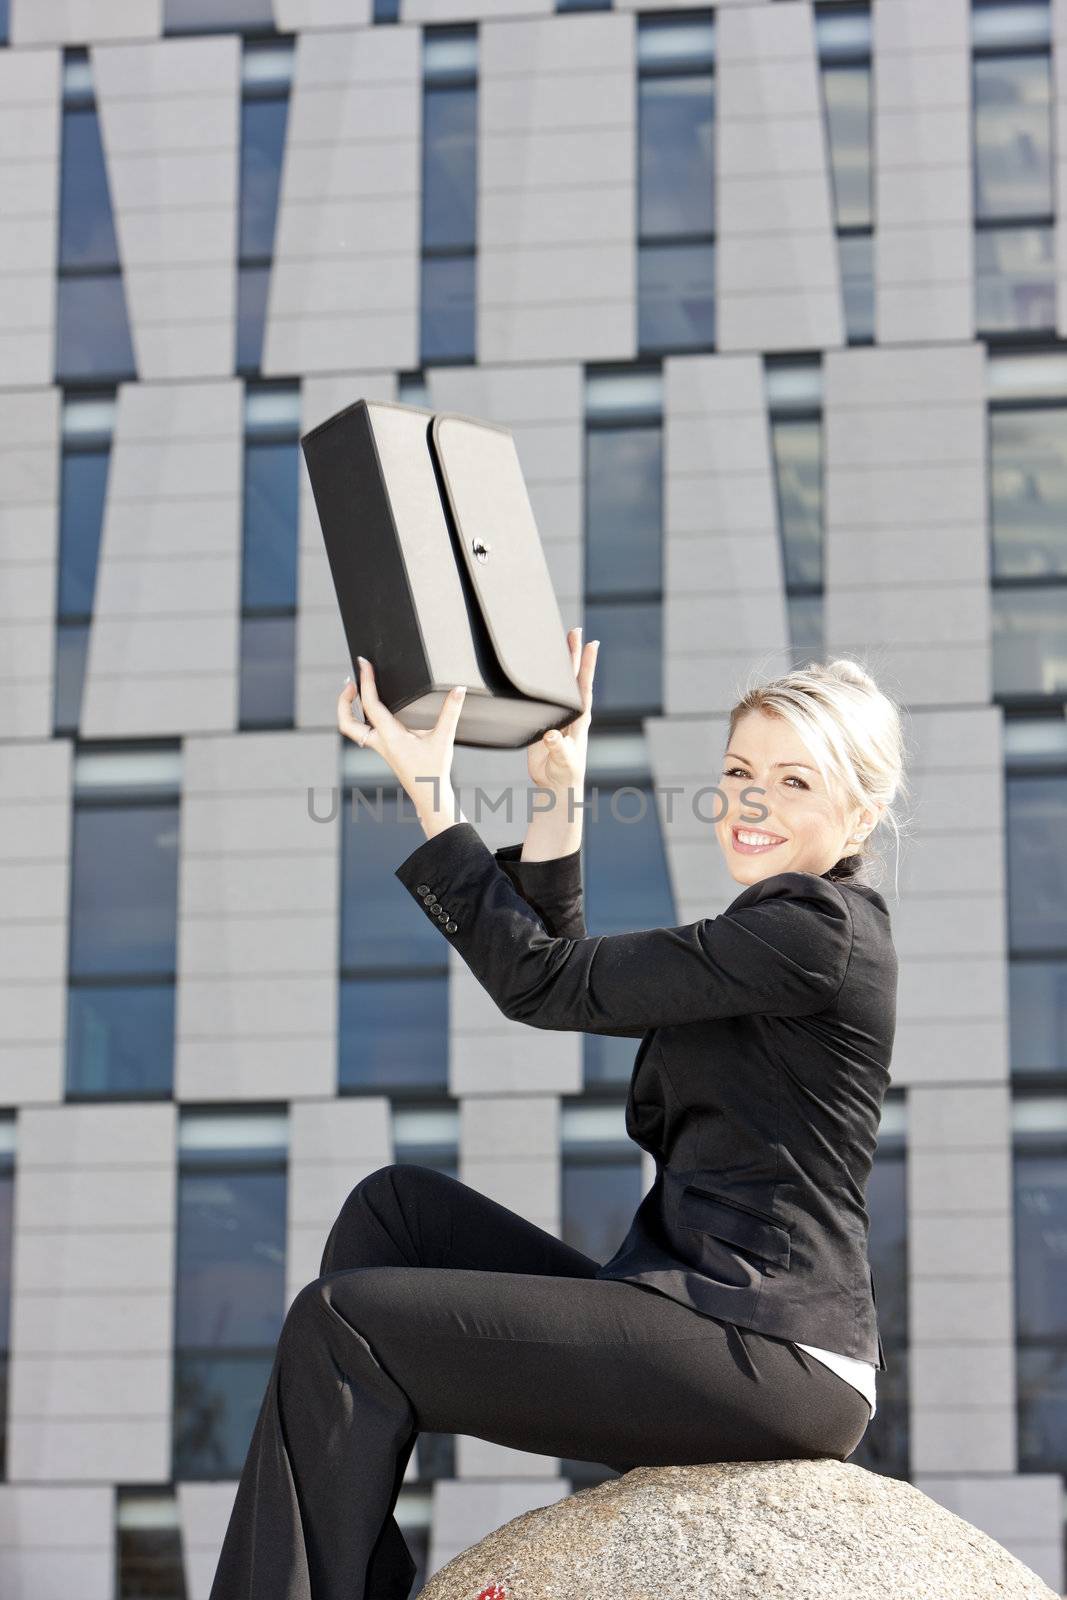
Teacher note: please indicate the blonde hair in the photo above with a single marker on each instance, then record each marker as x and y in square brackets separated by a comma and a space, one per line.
[855, 734]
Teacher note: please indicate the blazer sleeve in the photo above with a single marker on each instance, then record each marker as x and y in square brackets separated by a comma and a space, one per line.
[554, 889]
[781, 948]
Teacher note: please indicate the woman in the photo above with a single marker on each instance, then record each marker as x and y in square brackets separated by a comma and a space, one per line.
[766, 1040]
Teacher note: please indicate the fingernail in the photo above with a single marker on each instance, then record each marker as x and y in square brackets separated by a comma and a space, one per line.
[461, 688]
[362, 660]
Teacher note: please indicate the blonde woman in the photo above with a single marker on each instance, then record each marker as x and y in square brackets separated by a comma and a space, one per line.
[736, 1321]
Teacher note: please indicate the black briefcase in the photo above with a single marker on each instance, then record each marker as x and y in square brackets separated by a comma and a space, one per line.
[439, 570]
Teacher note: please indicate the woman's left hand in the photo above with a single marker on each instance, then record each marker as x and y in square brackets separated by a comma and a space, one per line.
[418, 756]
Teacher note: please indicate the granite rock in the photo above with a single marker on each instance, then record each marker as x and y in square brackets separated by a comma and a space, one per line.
[740, 1530]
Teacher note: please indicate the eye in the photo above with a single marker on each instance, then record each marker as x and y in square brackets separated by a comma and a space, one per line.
[792, 777]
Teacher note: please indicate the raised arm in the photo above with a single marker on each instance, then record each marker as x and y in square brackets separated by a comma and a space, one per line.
[781, 948]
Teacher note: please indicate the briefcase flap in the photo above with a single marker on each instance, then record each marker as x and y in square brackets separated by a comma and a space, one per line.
[498, 536]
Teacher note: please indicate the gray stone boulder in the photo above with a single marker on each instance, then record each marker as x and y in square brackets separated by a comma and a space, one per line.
[740, 1530]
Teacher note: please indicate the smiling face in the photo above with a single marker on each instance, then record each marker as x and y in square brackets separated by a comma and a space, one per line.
[806, 828]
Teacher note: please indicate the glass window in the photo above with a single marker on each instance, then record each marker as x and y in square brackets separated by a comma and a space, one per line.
[1029, 492]
[627, 884]
[123, 929]
[447, 325]
[1013, 136]
[676, 173]
[394, 999]
[885, 1445]
[1040, 1206]
[624, 522]
[92, 325]
[269, 555]
[209, 16]
[449, 188]
[847, 90]
[7, 1218]
[87, 427]
[1030, 641]
[797, 448]
[1036, 818]
[1015, 282]
[149, 1541]
[857, 285]
[230, 1283]
[263, 124]
[676, 296]
[601, 1178]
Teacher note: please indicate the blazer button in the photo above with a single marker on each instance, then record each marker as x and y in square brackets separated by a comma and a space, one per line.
[422, 890]
[450, 927]
[442, 916]
[432, 900]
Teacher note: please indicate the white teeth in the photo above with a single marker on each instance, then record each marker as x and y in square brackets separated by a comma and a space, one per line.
[755, 838]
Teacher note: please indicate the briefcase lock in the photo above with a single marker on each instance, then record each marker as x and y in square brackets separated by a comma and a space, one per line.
[481, 549]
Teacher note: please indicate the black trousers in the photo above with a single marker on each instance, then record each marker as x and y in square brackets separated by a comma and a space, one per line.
[438, 1309]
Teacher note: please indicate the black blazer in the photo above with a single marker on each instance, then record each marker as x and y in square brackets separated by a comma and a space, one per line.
[767, 1033]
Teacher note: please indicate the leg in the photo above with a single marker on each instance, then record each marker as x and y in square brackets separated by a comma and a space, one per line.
[560, 1363]
[400, 1216]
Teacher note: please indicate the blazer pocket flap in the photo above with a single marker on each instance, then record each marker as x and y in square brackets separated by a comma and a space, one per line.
[710, 1214]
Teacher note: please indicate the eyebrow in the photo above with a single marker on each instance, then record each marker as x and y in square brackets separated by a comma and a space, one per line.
[777, 763]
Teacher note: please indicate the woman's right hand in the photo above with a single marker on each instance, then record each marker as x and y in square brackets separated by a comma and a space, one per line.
[557, 761]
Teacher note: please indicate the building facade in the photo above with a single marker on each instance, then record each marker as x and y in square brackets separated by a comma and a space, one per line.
[773, 297]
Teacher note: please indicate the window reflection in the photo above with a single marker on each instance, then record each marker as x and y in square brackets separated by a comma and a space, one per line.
[88, 421]
[123, 931]
[1040, 1244]
[270, 523]
[676, 184]
[843, 39]
[230, 1283]
[266, 75]
[449, 195]
[394, 1000]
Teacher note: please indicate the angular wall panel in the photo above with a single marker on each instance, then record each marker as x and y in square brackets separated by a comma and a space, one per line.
[778, 283]
[170, 121]
[29, 554]
[93, 1267]
[163, 647]
[344, 289]
[31, 101]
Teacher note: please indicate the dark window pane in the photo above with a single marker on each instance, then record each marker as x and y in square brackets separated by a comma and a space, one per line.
[149, 1547]
[857, 285]
[120, 1038]
[677, 155]
[624, 517]
[448, 289]
[267, 671]
[848, 119]
[885, 1446]
[377, 928]
[4, 21]
[216, 1401]
[599, 1199]
[797, 449]
[72, 642]
[86, 228]
[124, 889]
[205, 16]
[676, 294]
[1041, 1373]
[93, 333]
[252, 286]
[1040, 1230]
[1037, 864]
[7, 1211]
[435, 1456]
[231, 1259]
[1030, 641]
[1038, 1016]
[1015, 279]
[1013, 137]
[449, 203]
[271, 493]
[629, 672]
[81, 518]
[807, 626]
[1029, 492]
[262, 148]
[394, 1033]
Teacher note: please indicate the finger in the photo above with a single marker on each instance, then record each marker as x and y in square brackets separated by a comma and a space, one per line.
[350, 725]
[450, 713]
[586, 672]
[575, 640]
[376, 713]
